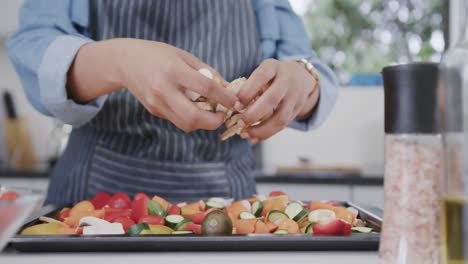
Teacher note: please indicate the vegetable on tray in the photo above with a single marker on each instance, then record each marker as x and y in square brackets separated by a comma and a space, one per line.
[275, 214]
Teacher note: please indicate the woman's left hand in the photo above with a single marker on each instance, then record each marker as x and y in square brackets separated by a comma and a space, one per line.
[287, 91]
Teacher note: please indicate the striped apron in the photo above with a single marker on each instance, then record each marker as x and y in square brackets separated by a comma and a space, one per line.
[125, 148]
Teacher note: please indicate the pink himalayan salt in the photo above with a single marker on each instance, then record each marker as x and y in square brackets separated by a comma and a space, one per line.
[411, 227]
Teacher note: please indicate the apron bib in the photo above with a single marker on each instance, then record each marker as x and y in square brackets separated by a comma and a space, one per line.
[125, 148]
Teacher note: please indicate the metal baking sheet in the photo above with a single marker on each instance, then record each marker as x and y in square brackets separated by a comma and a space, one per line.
[254, 242]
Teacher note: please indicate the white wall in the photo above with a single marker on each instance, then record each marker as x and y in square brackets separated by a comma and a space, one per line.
[353, 135]
[39, 125]
[8, 16]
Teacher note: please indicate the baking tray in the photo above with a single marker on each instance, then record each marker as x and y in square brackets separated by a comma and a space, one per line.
[254, 242]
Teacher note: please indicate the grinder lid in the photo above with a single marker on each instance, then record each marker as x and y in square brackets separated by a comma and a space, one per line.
[411, 98]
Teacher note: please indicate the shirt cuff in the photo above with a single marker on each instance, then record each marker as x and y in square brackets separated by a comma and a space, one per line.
[52, 77]
[328, 94]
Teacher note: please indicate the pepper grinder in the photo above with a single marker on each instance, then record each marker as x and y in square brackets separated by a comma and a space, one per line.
[413, 165]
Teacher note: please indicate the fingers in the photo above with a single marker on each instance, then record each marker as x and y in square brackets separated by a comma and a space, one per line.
[188, 117]
[191, 80]
[266, 103]
[261, 77]
[154, 106]
[277, 122]
[197, 64]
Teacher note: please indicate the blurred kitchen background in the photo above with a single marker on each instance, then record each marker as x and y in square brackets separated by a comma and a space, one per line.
[341, 160]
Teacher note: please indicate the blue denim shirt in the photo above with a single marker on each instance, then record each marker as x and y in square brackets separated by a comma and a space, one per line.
[52, 31]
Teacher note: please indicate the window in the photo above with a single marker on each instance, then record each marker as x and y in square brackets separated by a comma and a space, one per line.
[357, 37]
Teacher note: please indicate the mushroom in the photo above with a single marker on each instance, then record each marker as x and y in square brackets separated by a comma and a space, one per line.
[96, 226]
[232, 118]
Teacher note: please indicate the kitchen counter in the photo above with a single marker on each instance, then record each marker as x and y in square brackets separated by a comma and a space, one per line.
[10, 173]
[323, 178]
[300, 178]
[197, 257]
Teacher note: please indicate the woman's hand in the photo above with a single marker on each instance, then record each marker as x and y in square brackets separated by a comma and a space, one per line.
[157, 74]
[287, 93]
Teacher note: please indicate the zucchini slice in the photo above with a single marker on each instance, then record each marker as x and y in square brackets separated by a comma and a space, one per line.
[155, 208]
[299, 202]
[295, 211]
[182, 233]
[308, 229]
[281, 232]
[361, 229]
[215, 203]
[302, 215]
[136, 229]
[182, 225]
[246, 215]
[277, 217]
[173, 220]
[257, 208]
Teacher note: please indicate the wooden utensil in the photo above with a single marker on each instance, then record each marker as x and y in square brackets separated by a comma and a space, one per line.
[18, 138]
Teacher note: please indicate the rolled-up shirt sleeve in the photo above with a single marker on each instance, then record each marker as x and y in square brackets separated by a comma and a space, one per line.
[42, 51]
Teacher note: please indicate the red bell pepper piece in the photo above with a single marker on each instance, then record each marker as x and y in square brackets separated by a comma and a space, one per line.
[110, 214]
[139, 209]
[197, 229]
[174, 210]
[152, 220]
[198, 218]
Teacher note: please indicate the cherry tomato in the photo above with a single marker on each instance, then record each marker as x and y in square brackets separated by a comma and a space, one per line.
[9, 196]
[139, 209]
[100, 199]
[174, 209]
[125, 221]
[110, 214]
[152, 220]
[141, 195]
[276, 193]
[64, 213]
[120, 200]
[198, 218]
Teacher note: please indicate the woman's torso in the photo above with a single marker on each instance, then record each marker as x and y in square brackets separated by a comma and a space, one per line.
[124, 148]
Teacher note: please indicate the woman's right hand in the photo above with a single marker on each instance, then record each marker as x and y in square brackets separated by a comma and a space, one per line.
[157, 74]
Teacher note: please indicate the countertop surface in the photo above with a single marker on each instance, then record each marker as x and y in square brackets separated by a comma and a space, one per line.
[334, 178]
[289, 257]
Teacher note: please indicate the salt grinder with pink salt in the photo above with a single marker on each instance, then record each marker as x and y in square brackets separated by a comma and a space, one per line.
[413, 165]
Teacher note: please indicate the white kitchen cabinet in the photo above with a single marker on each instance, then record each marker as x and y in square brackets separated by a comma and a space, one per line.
[308, 191]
